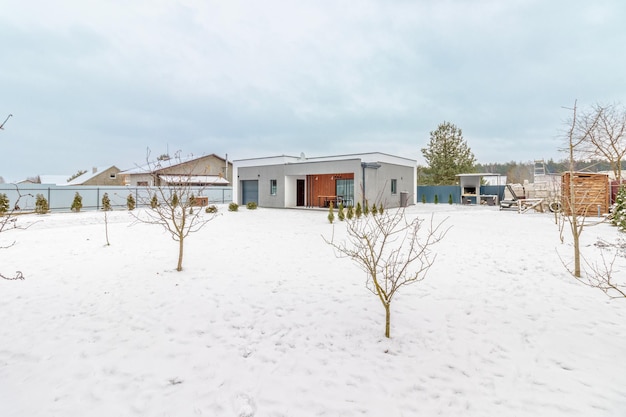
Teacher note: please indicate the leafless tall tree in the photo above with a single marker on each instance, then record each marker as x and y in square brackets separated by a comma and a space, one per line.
[392, 250]
[606, 139]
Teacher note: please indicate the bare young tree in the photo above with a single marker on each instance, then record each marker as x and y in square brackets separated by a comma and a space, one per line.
[391, 249]
[106, 207]
[8, 221]
[172, 201]
[606, 125]
[578, 133]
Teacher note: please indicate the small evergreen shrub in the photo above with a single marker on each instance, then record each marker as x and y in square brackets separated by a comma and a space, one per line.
[619, 211]
[359, 211]
[381, 210]
[41, 204]
[252, 205]
[233, 206]
[175, 200]
[192, 200]
[423, 198]
[154, 202]
[374, 209]
[211, 209]
[130, 202]
[77, 204]
[341, 214]
[106, 202]
[331, 214]
[366, 209]
[436, 198]
[350, 213]
[450, 199]
[4, 203]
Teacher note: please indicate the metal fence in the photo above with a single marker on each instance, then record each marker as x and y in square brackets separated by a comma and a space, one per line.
[60, 197]
[427, 193]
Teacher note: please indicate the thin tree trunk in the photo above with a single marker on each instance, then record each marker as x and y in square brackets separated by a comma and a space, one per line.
[180, 254]
[576, 255]
[387, 320]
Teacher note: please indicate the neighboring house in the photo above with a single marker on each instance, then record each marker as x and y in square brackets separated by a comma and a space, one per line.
[102, 176]
[50, 179]
[287, 181]
[198, 171]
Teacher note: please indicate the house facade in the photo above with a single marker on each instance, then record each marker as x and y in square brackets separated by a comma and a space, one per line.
[287, 181]
[197, 171]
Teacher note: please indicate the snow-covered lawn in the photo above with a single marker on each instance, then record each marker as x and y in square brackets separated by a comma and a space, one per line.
[264, 320]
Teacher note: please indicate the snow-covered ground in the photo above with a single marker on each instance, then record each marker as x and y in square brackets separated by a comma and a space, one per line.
[264, 320]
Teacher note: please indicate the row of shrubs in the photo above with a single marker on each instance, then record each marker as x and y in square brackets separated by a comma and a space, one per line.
[350, 212]
[42, 207]
[235, 207]
[436, 200]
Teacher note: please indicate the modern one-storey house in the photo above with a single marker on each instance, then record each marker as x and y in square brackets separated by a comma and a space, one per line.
[288, 181]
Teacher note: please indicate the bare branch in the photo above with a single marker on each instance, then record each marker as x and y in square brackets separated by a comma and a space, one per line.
[8, 221]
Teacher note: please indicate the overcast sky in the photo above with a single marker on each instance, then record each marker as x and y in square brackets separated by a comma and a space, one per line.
[97, 83]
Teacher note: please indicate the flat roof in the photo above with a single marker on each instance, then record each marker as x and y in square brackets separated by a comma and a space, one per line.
[285, 159]
[479, 174]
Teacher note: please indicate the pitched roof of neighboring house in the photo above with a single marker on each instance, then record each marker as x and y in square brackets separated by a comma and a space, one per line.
[54, 179]
[195, 179]
[155, 166]
[81, 179]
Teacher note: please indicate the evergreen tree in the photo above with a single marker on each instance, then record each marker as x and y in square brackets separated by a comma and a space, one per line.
[175, 200]
[358, 212]
[450, 199]
[619, 212]
[381, 210]
[41, 204]
[130, 202]
[331, 214]
[374, 209]
[154, 202]
[340, 212]
[350, 213]
[106, 202]
[423, 198]
[447, 155]
[4, 203]
[77, 204]
[366, 209]
[436, 198]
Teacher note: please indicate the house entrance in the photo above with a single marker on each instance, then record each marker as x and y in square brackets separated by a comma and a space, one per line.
[299, 193]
